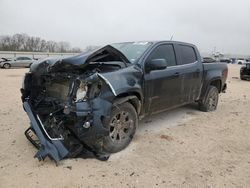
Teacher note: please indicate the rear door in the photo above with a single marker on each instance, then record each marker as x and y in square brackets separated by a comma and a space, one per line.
[162, 87]
[191, 72]
[26, 61]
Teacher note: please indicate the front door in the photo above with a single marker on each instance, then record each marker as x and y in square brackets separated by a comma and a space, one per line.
[162, 87]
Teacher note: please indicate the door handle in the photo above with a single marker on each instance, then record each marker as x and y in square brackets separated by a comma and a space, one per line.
[177, 74]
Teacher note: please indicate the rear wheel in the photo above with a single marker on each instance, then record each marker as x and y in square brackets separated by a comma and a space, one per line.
[210, 102]
[6, 66]
[122, 126]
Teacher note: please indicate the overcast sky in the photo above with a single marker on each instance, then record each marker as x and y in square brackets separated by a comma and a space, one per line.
[206, 23]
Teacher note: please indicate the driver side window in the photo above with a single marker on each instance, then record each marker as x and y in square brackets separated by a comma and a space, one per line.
[165, 51]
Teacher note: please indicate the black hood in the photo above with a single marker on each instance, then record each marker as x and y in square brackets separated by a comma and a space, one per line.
[105, 54]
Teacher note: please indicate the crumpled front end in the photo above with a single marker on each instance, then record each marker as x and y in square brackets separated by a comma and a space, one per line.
[66, 102]
[66, 112]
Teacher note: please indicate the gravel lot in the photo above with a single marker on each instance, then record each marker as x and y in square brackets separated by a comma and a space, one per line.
[179, 148]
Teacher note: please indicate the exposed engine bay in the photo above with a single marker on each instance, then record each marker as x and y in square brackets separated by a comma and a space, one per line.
[67, 101]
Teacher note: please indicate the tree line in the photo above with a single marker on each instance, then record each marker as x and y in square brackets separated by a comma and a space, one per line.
[24, 42]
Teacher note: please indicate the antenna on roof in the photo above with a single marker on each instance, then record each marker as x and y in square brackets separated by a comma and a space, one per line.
[172, 37]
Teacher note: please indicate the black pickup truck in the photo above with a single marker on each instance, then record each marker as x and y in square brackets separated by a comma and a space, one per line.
[245, 72]
[90, 104]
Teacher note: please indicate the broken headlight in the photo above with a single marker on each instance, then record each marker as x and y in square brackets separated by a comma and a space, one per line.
[81, 92]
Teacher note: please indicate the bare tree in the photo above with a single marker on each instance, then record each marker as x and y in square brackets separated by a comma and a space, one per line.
[6, 43]
[63, 47]
[23, 42]
[42, 46]
[76, 50]
[51, 46]
[91, 48]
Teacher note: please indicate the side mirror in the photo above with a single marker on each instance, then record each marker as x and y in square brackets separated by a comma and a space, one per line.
[156, 64]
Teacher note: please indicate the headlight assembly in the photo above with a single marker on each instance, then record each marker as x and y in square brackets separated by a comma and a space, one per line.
[81, 92]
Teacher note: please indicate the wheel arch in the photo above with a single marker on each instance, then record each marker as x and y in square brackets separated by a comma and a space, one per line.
[133, 98]
[7, 63]
[216, 82]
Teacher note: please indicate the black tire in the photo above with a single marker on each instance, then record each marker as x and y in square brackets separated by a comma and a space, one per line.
[210, 102]
[6, 65]
[122, 125]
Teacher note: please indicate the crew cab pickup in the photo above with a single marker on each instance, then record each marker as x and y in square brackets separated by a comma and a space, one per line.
[91, 103]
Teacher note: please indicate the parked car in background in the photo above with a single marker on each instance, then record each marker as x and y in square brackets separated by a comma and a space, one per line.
[208, 60]
[226, 60]
[241, 61]
[17, 62]
[245, 72]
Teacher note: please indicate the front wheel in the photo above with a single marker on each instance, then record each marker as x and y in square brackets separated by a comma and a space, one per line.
[122, 126]
[210, 102]
[6, 66]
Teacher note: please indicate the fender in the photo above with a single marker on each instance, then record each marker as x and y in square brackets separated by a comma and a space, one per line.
[209, 78]
[125, 81]
[132, 99]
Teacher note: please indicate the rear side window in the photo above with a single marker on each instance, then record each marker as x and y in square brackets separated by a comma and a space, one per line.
[165, 51]
[188, 54]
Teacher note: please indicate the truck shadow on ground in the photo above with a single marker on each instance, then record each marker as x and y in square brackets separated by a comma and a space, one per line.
[168, 119]
[157, 123]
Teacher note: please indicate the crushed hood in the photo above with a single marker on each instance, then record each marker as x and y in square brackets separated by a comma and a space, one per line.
[105, 54]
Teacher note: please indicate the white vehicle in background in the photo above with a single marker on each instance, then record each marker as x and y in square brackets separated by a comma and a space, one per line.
[241, 61]
[17, 62]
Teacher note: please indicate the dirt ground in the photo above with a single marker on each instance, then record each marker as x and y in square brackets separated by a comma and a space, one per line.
[179, 148]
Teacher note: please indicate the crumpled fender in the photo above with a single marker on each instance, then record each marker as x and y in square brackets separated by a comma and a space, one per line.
[127, 80]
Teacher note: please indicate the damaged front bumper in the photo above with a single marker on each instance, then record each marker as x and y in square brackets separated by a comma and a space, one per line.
[68, 101]
[81, 129]
[52, 147]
